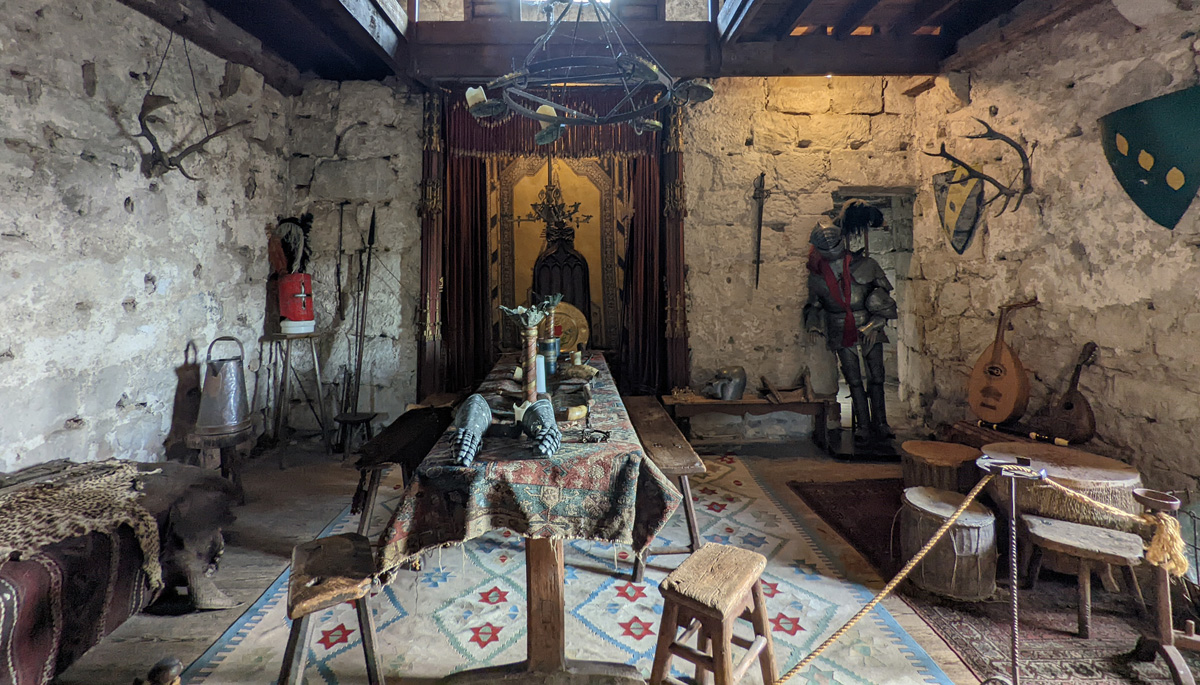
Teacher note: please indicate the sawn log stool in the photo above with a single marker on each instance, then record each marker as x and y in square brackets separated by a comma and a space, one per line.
[706, 595]
[1089, 545]
[942, 465]
[674, 456]
[325, 573]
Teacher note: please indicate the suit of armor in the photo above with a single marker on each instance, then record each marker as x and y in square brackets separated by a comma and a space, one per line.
[849, 303]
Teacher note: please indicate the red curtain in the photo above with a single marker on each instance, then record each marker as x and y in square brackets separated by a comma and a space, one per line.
[643, 354]
[467, 313]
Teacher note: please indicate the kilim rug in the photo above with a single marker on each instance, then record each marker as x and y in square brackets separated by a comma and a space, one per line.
[466, 607]
[979, 631]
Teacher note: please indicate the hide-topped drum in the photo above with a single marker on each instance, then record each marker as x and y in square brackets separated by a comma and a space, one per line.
[962, 565]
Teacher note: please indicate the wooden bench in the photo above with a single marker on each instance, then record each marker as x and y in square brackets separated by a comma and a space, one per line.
[672, 454]
[683, 408]
[1089, 545]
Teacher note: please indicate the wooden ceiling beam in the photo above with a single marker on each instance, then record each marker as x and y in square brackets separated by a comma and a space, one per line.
[790, 18]
[853, 17]
[923, 13]
[199, 23]
[735, 17]
[384, 32]
[1022, 27]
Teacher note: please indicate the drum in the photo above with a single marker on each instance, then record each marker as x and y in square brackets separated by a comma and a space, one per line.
[1101, 478]
[943, 465]
[962, 565]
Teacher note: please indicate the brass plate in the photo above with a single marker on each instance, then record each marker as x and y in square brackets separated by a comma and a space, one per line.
[574, 327]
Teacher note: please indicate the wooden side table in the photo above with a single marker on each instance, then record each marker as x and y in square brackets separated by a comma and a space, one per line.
[283, 384]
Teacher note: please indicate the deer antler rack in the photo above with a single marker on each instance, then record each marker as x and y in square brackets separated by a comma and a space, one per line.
[1008, 191]
[157, 159]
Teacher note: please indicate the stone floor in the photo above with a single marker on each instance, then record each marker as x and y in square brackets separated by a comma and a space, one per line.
[290, 506]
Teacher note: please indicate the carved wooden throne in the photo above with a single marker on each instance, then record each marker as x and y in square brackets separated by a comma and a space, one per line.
[560, 268]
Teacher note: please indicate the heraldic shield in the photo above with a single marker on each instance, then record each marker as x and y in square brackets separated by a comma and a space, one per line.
[1154, 149]
[959, 200]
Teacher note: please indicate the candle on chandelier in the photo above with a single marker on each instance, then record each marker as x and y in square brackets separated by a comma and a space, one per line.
[475, 96]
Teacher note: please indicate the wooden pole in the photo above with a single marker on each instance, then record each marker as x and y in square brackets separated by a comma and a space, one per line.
[529, 364]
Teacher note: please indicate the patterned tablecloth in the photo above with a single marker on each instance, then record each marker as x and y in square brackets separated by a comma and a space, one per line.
[607, 491]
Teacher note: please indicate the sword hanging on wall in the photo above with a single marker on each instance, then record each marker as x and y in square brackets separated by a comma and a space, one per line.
[760, 196]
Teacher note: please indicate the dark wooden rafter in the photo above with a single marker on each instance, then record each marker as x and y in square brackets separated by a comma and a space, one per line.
[853, 17]
[381, 24]
[197, 22]
[791, 17]
[820, 54]
[923, 13]
[735, 18]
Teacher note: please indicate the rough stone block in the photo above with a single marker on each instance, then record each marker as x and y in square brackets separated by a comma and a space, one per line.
[774, 132]
[366, 102]
[365, 179]
[954, 299]
[803, 172]
[834, 131]
[857, 94]
[314, 137]
[891, 132]
[800, 94]
[1122, 327]
[318, 100]
[862, 167]
[360, 142]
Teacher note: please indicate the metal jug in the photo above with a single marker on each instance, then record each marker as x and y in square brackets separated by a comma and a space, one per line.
[223, 406]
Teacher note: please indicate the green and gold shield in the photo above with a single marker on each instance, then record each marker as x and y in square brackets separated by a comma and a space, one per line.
[959, 200]
[1154, 149]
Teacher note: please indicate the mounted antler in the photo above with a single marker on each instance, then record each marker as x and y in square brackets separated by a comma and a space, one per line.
[156, 158]
[1008, 192]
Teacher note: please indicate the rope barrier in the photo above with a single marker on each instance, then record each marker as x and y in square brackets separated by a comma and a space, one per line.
[1166, 549]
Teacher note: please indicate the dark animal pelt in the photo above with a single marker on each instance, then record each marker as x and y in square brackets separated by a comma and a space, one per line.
[405, 442]
[857, 217]
[293, 234]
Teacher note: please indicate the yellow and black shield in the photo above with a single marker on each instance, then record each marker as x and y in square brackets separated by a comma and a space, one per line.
[959, 200]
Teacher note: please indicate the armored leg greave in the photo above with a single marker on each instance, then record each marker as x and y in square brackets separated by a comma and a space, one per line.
[852, 372]
[875, 379]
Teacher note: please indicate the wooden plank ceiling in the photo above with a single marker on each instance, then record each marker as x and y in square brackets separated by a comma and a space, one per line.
[371, 39]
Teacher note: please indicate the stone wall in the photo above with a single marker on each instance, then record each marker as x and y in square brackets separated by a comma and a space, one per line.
[812, 136]
[1102, 270]
[106, 274]
[356, 148]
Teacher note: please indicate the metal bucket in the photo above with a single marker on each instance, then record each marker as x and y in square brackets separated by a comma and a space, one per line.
[223, 406]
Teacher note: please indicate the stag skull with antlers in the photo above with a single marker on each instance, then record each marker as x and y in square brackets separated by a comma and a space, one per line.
[158, 162]
[1010, 191]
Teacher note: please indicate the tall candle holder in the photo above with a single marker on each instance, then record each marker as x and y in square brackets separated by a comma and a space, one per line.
[528, 319]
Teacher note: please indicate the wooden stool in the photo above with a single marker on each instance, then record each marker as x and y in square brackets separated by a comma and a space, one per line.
[227, 452]
[671, 453]
[350, 422]
[325, 573]
[706, 594]
[943, 465]
[1088, 545]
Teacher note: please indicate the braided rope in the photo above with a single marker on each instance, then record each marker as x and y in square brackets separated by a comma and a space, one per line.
[887, 590]
[1166, 549]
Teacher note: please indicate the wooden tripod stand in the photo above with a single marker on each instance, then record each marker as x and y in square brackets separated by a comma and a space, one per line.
[1166, 639]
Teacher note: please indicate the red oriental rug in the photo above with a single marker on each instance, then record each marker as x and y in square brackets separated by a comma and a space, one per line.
[979, 631]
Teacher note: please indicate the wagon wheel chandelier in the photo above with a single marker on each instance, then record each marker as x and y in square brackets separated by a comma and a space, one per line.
[617, 59]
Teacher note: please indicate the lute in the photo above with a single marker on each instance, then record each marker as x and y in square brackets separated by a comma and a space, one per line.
[998, 388]
[1071, 417]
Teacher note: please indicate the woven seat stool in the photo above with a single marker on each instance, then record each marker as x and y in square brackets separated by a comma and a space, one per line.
[710, 590]
[325, 573]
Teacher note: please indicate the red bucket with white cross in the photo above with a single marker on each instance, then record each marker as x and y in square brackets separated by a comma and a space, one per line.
[296, 304]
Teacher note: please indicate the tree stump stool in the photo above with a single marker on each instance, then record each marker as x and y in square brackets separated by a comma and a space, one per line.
[962, 565]
[674, 456]
[325, 573]
[942, 465]
[1088, 545]
[709, 591]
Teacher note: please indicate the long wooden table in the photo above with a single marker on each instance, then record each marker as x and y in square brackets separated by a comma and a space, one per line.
[449, 504]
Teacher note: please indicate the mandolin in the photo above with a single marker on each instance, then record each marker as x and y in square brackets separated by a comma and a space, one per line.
[1071, 417]
[998, 388]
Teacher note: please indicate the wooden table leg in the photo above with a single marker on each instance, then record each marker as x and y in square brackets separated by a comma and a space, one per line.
[1085, 598]
[545, 575]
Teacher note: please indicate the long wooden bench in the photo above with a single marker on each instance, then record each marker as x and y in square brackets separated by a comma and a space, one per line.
[674, 456]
